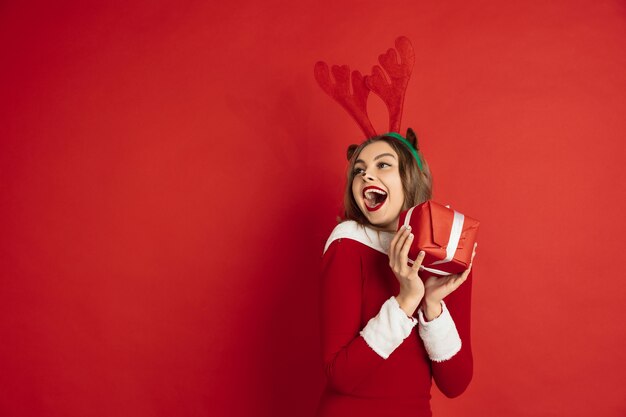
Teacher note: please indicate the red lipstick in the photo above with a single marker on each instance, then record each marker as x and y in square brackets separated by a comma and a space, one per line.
[374, 197]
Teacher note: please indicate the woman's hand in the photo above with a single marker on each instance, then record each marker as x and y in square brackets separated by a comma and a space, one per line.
[437, 288]
[411, 285]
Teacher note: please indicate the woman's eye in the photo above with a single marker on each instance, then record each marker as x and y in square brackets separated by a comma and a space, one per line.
[383, 165]
[358, 171]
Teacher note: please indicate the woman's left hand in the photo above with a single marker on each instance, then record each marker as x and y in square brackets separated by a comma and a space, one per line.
[437, 288]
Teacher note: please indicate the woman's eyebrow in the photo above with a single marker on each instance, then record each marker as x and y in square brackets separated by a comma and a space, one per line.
[375, 158]
[384, 154]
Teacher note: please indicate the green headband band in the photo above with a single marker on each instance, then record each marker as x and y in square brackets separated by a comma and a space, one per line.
[407, 143]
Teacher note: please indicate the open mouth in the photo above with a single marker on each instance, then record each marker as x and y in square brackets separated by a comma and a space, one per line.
[374, 198]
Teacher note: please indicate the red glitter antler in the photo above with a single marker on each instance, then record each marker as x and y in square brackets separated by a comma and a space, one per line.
[355, 103]
[399, 73]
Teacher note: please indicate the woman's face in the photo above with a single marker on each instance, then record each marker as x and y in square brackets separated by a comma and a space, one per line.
[377, 187]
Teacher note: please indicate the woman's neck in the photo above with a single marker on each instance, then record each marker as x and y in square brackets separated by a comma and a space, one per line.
[391, 227]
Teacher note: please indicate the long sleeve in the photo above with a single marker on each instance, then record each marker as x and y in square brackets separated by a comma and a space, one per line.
[452, 376]
[440, 337]
[351, 352]
[388, 329]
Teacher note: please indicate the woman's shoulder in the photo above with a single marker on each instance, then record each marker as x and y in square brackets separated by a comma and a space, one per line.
[361, 234]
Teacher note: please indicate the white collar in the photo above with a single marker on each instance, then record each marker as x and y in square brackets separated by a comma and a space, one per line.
[350, 229]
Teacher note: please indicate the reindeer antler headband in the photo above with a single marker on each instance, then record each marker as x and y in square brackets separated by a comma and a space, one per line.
[391, 93]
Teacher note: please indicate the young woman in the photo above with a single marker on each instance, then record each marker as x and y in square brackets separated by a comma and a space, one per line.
[372, 299]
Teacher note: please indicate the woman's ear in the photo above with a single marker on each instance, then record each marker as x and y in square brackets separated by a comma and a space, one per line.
[350, 151]
[412, 138]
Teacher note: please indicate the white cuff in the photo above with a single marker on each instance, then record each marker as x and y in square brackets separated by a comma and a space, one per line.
[385, 332]
[441, 339]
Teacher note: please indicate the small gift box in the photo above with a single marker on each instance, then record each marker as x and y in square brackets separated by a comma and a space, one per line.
[446, 236]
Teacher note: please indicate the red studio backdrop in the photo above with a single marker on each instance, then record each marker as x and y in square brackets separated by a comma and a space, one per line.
[170, 171]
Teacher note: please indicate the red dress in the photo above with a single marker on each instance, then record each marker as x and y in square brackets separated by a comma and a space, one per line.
[356, 281]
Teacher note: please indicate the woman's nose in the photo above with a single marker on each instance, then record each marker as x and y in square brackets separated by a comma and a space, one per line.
[367, 176]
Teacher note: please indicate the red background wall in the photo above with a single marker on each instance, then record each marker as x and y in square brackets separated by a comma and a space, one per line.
[170, 171]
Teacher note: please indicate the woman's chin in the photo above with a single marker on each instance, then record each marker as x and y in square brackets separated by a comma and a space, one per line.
[381, 219]
[388, 225]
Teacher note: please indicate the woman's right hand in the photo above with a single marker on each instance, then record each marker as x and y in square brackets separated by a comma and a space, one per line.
[411, 285]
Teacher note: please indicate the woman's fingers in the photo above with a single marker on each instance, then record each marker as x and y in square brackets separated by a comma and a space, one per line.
[465, 273]
[440, 287]
[469, 268]
[396, 247]
[401, 240]
[397, 238]
[473, 253]
[446, 285]
[461, 278]
[458, 279]
[406, 246]
[392, 245]
[418, 261]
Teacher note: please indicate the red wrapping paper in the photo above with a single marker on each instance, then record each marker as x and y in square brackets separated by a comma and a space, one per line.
[431, 225]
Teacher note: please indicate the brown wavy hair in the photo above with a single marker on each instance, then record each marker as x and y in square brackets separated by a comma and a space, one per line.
[416, 184]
